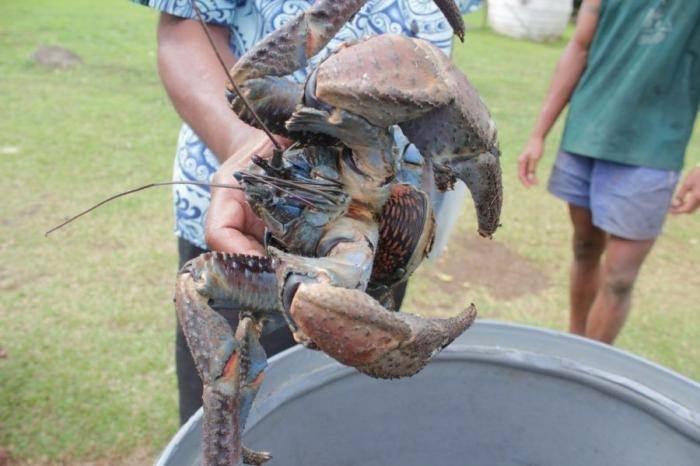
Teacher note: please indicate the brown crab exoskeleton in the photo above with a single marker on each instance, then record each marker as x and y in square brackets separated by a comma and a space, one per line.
[341, 225]
[356, 330]
[347, 324]
[369, 86]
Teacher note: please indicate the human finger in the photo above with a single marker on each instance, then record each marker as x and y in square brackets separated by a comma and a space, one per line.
[231, 225]
[523, 168]
[532, 171]
[679, 199]
[689, 204]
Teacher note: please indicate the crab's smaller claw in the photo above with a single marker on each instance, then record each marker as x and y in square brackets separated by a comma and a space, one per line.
[357, 331]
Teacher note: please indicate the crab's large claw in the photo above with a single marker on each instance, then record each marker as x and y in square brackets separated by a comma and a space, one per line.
[231, 366]
[482, 175]
[356, 330]
[435, 105]
[260, 72]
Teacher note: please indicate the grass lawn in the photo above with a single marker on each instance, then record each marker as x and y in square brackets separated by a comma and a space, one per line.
[86, 317]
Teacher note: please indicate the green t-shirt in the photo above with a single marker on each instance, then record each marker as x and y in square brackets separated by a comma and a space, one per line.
[638, 97]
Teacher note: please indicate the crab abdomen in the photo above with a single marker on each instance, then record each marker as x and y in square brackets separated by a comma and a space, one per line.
[406, 233]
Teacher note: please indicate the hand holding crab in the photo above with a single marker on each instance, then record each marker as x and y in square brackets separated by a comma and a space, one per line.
[231, 224]
[339, 224]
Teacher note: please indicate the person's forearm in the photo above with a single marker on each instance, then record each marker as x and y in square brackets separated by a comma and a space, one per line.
[195, 83]
[566, 77]
[569, 69]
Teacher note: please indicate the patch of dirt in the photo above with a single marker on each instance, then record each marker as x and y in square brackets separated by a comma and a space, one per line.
[105, 245]
[7, 283]
[489, 264]
[56, 57]
[28, 212]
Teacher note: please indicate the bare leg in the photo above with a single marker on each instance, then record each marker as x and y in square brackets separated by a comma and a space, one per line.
[588, 245]
[623, 260]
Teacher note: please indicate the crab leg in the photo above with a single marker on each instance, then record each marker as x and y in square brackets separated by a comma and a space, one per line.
[228, 399]
[231, 366]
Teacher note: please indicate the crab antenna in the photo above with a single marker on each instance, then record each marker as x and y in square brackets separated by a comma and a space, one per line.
[233, 84]
[277, 186]
[135, 190]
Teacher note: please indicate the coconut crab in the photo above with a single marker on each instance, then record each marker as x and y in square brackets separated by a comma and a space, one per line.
[342, 228]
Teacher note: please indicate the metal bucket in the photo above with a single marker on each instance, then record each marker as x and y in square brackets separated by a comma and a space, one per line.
[500, 395]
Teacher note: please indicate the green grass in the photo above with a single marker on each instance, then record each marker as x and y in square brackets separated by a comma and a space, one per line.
[86, 315]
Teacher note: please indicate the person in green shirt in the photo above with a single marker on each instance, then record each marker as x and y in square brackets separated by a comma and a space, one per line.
[631, 77]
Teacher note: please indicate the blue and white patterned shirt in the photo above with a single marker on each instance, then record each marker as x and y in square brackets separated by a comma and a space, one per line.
[251, 20]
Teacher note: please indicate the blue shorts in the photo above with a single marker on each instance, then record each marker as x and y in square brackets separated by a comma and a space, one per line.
[625, 200]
